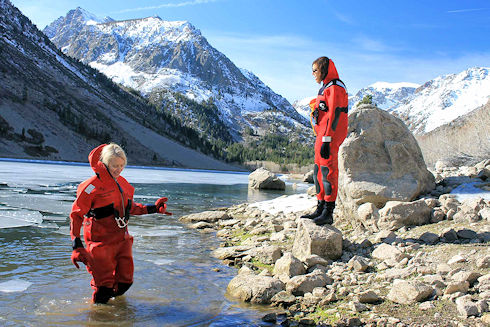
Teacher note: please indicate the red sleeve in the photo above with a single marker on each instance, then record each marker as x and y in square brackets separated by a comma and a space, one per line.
[80, 208]
[138, 209]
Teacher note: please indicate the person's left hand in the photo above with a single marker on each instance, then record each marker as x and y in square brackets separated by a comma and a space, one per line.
[162, 206]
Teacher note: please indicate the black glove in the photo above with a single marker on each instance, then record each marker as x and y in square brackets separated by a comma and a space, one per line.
[325, 150]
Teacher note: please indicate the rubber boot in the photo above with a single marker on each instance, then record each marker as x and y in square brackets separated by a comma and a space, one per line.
[102, 294]
[318, 211]
[327, 215]
[122, 288]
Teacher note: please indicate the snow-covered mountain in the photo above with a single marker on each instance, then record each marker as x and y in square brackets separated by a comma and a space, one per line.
[385, 95]
[303, 107]
[445, 98]
[433, 104]
[152, 55]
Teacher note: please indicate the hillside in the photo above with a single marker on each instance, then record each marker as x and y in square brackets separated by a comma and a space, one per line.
[54, 107]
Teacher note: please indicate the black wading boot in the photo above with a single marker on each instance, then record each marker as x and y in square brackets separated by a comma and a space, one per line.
[318, 211]
[327, 215]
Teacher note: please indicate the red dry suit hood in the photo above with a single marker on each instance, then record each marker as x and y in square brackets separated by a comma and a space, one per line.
[332, 72]
[97, 165]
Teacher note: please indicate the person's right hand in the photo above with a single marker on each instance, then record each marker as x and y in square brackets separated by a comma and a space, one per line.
[162, 206]
[81, 255]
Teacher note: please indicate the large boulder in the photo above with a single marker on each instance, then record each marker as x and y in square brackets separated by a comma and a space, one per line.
[325, 241]
[379, 161]
[265, 180]
[254, 288]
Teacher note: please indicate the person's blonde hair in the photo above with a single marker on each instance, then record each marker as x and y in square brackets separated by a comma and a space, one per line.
[110, 151]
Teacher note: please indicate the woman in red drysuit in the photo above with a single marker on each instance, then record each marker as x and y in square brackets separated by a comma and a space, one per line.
[330, 113]
[103, 205]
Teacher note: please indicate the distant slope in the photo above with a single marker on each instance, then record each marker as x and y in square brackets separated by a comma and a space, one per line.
[54, 107]
[464, 140]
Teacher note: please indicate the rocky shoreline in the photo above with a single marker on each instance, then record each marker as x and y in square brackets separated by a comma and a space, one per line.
[433, 271]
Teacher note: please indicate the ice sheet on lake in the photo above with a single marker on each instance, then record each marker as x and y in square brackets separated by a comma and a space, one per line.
[38, 203]
[14, 285]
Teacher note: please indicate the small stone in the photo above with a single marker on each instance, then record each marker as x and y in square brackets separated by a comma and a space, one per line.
[467, 234]
[457, 287]
[483, 262]
[429, 238]
[426, 306]
[456, 259]
[450, 235]
[357, 306]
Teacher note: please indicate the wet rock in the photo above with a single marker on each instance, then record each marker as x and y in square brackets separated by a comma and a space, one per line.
[253, 288]
[205, 216]
[325, 241]
[265, 180]
[408, 292]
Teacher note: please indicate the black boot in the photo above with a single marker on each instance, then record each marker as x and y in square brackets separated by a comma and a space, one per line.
[122, 288]
[327, 215]
[102, 294]
[318, 211]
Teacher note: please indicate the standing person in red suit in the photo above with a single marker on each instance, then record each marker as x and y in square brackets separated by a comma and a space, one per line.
[330, 126]
[103, 205]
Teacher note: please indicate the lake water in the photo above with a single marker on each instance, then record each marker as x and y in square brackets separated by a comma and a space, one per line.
[175, 282]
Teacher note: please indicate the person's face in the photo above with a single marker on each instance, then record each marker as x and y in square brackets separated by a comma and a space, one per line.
[316, 73]
[116, 166]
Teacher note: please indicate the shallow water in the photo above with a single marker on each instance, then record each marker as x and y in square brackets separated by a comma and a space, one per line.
[175, 282]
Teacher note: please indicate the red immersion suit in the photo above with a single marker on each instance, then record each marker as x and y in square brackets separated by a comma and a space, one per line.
[99, 199]
[331, 127]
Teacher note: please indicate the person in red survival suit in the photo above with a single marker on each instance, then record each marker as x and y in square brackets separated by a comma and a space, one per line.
[103, 205]
[330, 114]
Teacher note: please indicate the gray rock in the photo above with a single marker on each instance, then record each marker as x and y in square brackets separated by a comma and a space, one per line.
[283, 297]
[325, 241]
[379, 161]
[255, 289]
[385, 236]
[454, 287]
[386, 251]
[288, 266]
[449, 235]
[299, 285]
[429, 238]
[466, 307]
[358, 263]
[467, 234]
[368, 215]
[265, 180]
[369, 297]
[308, 177]
[205, 216]
[483, 262]
[397, 214]
[469, 210]
[466, 276]
[408, 292]
[268, 254]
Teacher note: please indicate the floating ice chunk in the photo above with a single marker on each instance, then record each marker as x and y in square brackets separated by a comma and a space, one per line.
[36, 202]
[24, 215]
[14, 285]
[7, 222]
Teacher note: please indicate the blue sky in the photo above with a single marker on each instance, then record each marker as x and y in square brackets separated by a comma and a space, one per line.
[370, 41]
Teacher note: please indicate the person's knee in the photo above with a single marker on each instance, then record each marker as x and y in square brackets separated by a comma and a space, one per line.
[122, 288]
[103, 294]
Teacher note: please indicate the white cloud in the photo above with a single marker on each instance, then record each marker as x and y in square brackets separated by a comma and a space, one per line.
[465, 10]
[166, 5]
